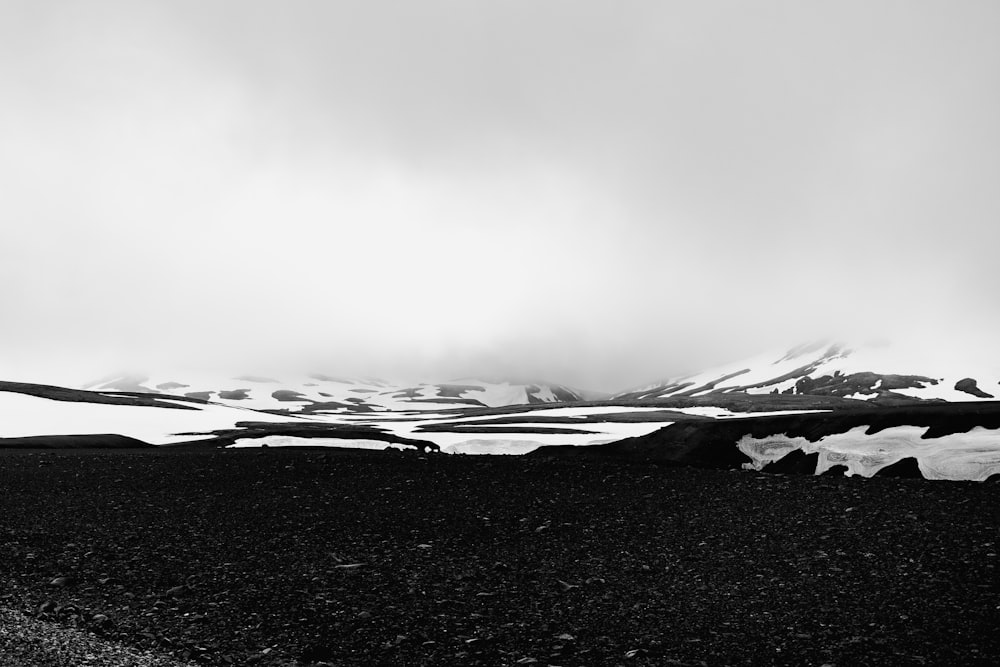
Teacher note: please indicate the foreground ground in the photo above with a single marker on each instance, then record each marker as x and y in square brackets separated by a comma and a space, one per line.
[365, 558]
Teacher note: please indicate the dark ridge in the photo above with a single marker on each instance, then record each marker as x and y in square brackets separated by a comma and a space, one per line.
[456, 390]
[653, 393]
[630, 417]
[863, 383]
[85, 396]
[907, 468]
[532, 399]
[234, 394]
[794, 373]
[969, 386]
[287, 396]
[226, 437]
[560, 393]
[657, 392]
[326, 406]
[563, 394]
[795, 462]
[96, 441]
[202, 395]
[455, 401]
[711, 385]
[712, 443]
[834, 471]
[408, 392]
[746, 403]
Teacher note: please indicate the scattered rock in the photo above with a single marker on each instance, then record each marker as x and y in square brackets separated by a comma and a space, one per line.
[177, 591]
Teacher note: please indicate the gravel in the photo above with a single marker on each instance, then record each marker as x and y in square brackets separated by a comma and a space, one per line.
[27, 642]
[289, 557]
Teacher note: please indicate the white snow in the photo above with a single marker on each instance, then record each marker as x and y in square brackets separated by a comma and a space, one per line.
[940, 363]
[493, 446]
[24, 415]
[545, 394]
[293, 441]
[498, 395]
[961, 456]
[758, 369]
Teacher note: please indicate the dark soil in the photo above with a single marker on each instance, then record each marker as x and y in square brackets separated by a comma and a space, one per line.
[599, 418]
[371, 558]
[712, 442]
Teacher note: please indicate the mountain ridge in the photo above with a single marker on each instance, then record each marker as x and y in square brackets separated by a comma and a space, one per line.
[871, 373]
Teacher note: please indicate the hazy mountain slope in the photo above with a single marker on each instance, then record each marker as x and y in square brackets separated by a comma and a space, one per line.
[323, 394]
[883, 374]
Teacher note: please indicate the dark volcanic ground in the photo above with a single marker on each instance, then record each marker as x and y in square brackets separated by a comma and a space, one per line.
[365, 558]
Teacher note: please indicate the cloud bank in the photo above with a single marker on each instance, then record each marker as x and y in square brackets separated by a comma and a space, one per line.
[597, 193]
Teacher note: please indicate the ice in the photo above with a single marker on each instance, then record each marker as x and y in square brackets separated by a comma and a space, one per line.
[961, 456]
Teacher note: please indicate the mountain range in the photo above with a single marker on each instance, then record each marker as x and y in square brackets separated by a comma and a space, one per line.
[817, 408]
[881, 374]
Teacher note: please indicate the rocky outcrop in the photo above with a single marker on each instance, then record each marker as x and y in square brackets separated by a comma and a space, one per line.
[970, 386]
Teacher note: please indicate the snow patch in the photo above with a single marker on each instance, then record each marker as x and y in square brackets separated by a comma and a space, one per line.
[293, 441]
[960, 456]
[25, 415]
[492, 446]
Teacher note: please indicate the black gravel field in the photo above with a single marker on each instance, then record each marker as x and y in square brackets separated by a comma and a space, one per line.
[287, 557]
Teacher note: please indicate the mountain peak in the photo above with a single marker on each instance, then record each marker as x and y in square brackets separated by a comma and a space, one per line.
[880, 372]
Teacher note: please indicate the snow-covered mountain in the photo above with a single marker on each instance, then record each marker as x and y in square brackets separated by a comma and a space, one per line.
[33, 415]
[32, 410]
[880, 373]
[814, 409]
[324, 394]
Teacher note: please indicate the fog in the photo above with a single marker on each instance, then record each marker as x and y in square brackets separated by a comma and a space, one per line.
[595, 193]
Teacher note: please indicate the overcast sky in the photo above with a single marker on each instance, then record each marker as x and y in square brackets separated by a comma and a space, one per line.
[599, 193]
